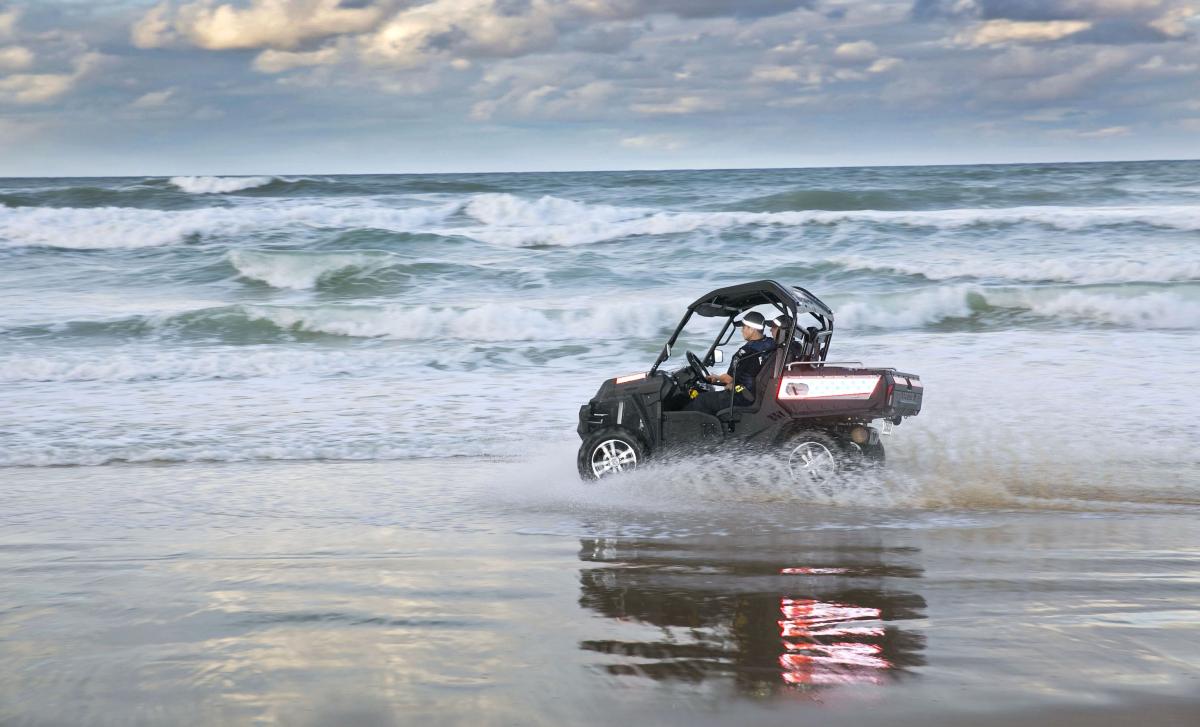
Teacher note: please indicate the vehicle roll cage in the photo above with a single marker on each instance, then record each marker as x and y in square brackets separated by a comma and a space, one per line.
[790, 300]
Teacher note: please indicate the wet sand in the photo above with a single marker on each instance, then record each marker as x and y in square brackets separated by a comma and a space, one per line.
[466, 591]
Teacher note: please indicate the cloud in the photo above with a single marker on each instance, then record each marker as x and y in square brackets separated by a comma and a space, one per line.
[1103, 66]
[692, 8]
[153, 30]
[1034, 10]
[1174, 22]
[1107, 132]
[32, 88]
[679, 106]
[540, 92]
[653, 142]
[883, 65]
[38, 88]
[656, 71]
[860, 51]
[1054, 115]
[1159, 65]
[153, 99]
[480, 28]
[8, 23]
[54, 48]
[782, 74]
[279, 24]
[15, 58]
[278, 61]
[1109, 22]
[412, 34]
[1000, 32]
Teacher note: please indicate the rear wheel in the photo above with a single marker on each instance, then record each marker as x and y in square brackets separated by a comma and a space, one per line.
[608, 452]
[814, 459]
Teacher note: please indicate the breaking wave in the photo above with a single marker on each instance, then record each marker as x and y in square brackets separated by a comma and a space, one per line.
[488, 322]
[927, 197]
[978, 307]
[512, 221]
[219, 185]
[298, 270]
[101, 228]
[551, 221]
[944, 308]
[491, 322]
[1155, 268]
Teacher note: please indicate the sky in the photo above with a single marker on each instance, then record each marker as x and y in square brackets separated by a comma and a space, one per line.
[130, 87]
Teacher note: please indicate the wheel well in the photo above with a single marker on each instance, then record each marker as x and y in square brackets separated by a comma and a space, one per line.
[794, 428]
[632, 433]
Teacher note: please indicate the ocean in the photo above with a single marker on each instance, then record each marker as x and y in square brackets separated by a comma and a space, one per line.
[300, 449]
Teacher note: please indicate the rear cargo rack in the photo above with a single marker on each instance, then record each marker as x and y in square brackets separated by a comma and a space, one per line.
[848, 364]
[859, 364]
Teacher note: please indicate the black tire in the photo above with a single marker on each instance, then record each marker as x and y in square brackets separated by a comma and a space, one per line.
[815, 459]
[607, 452]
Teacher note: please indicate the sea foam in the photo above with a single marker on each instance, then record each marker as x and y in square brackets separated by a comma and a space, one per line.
[219, 185]
[175, 365]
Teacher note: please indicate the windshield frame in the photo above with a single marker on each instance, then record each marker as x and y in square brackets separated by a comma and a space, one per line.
[735, 300]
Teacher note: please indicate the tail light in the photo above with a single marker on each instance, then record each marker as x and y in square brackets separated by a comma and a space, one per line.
[794, 388]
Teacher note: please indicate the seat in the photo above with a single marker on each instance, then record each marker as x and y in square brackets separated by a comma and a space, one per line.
[761, 382]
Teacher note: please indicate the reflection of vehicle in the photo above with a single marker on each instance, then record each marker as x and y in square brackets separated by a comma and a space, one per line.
[764, 624]
[821, 416]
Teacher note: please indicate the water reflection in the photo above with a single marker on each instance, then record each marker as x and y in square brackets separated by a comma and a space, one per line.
[765, 619]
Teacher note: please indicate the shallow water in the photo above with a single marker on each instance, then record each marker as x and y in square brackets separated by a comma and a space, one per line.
[475, 591]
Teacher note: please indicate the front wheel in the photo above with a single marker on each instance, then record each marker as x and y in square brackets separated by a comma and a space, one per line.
[607, 452]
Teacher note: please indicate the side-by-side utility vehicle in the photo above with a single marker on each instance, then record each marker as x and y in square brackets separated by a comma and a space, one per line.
[819, 417]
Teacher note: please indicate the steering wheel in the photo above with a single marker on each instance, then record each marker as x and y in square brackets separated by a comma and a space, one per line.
[698, 368]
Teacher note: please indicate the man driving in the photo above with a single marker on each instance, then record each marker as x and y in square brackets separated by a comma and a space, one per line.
[744, 367]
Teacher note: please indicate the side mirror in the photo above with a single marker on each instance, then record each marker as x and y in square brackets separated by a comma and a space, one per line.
[718, 356]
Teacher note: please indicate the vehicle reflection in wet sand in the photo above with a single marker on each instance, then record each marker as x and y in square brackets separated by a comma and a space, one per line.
[689, 611]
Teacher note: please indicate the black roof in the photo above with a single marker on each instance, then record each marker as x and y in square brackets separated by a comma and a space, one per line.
[736, 298]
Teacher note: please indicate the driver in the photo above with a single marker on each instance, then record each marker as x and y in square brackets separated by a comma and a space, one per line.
[747, 362]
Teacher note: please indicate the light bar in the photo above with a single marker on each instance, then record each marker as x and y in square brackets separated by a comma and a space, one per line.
[630, 377]
[827, 387]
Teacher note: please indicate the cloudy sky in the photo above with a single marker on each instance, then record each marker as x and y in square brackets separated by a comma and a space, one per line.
[96, 87]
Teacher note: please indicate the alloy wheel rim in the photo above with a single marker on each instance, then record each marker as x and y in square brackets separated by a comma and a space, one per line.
[613, 455]
[812, 462]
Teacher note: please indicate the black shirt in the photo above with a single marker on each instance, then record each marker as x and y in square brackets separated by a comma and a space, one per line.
[748, 361]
